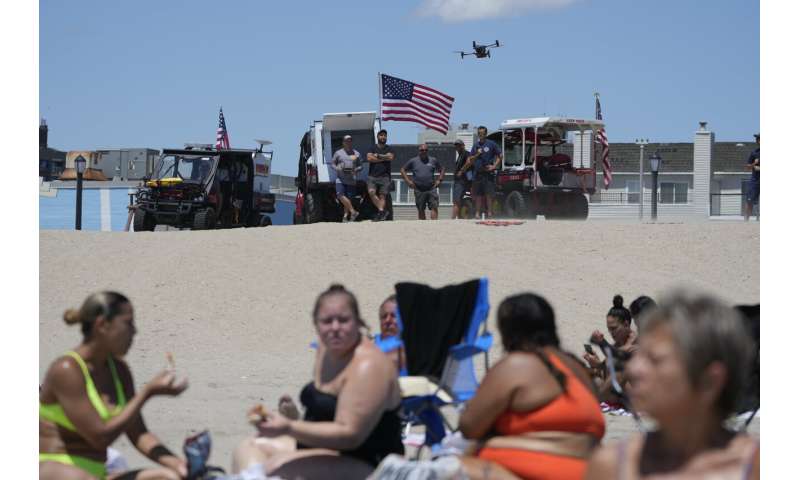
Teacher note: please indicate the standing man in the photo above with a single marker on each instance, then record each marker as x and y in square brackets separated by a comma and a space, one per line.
[485, 155]
[462, 178]
[754, 165]
[380, 175]
[424, 185]
[347, 162]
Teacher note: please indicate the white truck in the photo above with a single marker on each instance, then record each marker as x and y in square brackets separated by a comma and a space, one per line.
[538, 176]
[316, 192]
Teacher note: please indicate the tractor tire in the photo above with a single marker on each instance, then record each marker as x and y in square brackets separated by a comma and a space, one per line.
[205, 219]
[514, 205]
[580, 207]
[254, 219]
[467, 208]
[143, 221]
[312, 210]
[266, 221]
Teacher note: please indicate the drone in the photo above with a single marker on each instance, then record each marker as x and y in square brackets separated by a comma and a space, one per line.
[481, 51]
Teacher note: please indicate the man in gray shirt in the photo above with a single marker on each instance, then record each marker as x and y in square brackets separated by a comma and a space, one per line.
[347, 162]
[424, 183]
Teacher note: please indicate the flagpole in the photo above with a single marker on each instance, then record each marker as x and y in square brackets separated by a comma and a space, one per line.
[380, 100]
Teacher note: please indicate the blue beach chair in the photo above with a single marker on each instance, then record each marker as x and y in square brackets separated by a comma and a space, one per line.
[441, 331]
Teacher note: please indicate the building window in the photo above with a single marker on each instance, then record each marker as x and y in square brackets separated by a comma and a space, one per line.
[632, 190]
[671, 192]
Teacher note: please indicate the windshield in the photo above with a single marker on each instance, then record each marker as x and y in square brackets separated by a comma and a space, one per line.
[187, 167]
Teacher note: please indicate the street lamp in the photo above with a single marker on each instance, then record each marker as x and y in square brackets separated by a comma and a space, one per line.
[642, 142]
[80, 167]
[655, 163]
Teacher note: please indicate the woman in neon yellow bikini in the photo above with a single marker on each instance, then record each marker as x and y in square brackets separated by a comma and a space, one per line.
[87, 399]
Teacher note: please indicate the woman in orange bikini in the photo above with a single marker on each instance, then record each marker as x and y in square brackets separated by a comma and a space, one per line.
[690, 368]
[87, 399]
[535, 412]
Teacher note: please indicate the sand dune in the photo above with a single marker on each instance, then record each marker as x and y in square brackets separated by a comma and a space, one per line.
[234, 306]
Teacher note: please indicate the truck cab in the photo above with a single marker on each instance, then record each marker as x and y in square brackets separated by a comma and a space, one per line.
[316, 191]
[548, 167]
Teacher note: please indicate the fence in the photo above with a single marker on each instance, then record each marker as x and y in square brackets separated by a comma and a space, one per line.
[725, 204]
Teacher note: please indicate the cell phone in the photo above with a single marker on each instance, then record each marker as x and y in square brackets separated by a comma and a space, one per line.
[588, 349]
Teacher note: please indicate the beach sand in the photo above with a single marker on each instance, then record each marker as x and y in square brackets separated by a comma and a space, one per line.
[234, 306]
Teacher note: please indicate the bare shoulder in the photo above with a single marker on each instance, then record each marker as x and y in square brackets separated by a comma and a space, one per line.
[368, 359]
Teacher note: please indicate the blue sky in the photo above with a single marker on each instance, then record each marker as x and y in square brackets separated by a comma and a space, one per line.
[154, 74]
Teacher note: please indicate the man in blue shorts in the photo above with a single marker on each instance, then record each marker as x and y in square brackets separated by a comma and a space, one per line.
[347, 162]
[753, 187]
[485, 156]
[425, 182]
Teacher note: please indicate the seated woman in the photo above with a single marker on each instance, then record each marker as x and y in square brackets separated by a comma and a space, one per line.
[690, 369]
[618, 322]
[87, 399]
[352, 403]
[535, 410]
[387, 314]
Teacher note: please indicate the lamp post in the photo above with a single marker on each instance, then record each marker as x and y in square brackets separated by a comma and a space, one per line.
[642, 142]
[80, 167]
[655, 163]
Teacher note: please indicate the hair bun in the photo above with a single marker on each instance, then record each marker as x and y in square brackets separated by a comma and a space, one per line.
[618, 303]
[72, 316]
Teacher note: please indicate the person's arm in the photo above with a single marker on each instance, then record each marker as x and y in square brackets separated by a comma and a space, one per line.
[144, 440]
[388, 156]
[441, 175]
[373, 157]
[359, 407]
[603, 464]
[497, 157]
[467, 165]
[405, 177]
[70, 390]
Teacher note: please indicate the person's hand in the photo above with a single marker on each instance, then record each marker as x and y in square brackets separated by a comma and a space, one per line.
[593, 360]
[177, 465]
[490, 167]
[411, 185]
[597, 337]
[436, 184]
[273, 425]
[458, 173]
[354, 157]
[165, 384]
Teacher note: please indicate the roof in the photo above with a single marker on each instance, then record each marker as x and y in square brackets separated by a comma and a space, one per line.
[542, 121]
[46, 153]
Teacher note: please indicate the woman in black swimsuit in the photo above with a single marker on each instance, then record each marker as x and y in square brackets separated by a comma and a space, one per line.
[352, 403]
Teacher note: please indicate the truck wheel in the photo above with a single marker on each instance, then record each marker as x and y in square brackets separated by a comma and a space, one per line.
[515, 205]
[577, 207]
[205, 219]
[467, 208]
[143, 221]
[266, 221]
[313, 207]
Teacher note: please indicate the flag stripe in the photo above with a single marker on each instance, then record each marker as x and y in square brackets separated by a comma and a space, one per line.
[602, 139]
[416, 107]
[414, 119]
[433, 99]
[222, 133]
[445, 97]
[407, 113]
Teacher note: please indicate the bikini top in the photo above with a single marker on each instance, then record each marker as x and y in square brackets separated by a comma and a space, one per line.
[55, 413]
[384, 439]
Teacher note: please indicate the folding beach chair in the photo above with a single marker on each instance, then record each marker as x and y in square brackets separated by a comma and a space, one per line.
[441, 330]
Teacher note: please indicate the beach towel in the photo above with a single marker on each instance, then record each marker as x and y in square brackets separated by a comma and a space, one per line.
[434, 319]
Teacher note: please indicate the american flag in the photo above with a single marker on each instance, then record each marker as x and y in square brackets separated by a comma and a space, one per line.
[405, 101]
[602, 140]
[222, 133]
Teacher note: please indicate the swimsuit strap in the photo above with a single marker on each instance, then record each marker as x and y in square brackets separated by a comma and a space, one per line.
[91, 390]
[118, 386]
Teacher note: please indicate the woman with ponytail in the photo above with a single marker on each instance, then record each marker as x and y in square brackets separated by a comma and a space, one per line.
[535, 412]
[87, 399]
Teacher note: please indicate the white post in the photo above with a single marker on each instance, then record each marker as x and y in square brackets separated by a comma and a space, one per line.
[703, 150]
[641, 142]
